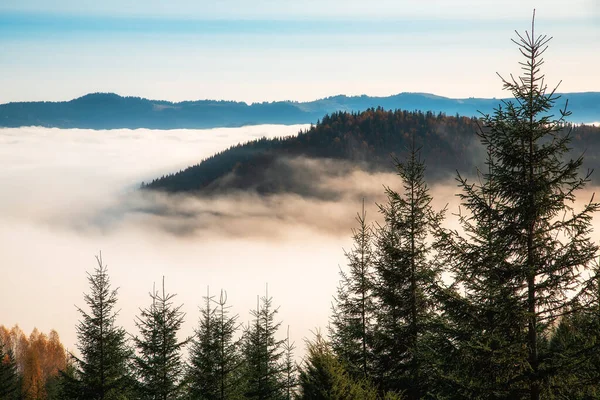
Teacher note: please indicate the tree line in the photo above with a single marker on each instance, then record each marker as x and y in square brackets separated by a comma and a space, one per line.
[506, 307]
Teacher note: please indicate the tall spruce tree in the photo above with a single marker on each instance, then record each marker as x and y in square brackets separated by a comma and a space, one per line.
[158, 360]
[104, 365]
[405, 279]
[352, 317]
[263, 353]
[482, 338]
[530, 263]
[214, 371]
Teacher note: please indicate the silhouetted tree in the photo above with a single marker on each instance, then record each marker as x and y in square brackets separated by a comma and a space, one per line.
[9, 377]
[214, 371]
[104, 366]
[540, 243]
[262, 353]
[405, 279]
[289, 369]
[353, 309]
[158, 363]
[323, 377]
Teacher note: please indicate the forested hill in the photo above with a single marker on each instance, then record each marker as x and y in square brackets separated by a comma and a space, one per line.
[367, 140]
[111, 111]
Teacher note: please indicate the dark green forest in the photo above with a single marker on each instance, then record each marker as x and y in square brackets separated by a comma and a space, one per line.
[508, 307]
[369, 140]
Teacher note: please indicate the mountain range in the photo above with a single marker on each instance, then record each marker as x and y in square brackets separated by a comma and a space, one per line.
[111, 111]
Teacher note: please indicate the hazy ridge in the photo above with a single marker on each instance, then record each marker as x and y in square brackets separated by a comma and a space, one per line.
[111, 111]
[346, 142]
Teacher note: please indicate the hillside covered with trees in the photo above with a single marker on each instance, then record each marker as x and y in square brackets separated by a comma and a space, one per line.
[368, 140]
[507, 307]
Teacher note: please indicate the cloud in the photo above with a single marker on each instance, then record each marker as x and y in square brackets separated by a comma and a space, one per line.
[67, 194]
[328, 206]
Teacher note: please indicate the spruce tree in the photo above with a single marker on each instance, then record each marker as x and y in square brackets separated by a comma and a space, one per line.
[574, 346]
[104, 365]
[263, 353]
[289, 369]
[540, 244]
[405, 279]
[158, 361]
[482, 338]
[9, 377]
[351, 322]
[214, 356]
[324, 377]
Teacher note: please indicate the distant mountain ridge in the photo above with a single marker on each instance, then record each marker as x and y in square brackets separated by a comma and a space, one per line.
[111, 111]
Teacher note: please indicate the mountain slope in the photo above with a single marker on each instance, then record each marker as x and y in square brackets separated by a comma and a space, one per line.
[111, 111]
[345, 141]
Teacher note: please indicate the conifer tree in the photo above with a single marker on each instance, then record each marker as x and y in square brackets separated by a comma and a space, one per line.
[104, 366]
[214, 356]
[289, 369]
[351, 322]
[540, 242]
[9, 377]
[482, 320]
[574, 346]
[404, 283]
[158, 363]
[263, 353]
[323, 377]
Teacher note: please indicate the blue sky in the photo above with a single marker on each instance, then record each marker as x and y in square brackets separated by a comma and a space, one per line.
[271, 50]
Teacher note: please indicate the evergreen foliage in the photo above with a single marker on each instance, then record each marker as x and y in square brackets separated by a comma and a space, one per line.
[104, 366]
[9, 377]
[519, 267]
[515, 316]
[214, 371]
[263, 353]
[289, 369]
[404, 285]
[365, 138]
[351, 324]
[158, 363]
[323, 377]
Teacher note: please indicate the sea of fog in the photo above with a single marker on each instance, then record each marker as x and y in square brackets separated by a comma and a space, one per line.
[66, 195]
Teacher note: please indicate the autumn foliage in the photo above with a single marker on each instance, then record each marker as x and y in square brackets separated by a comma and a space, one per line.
[38, 358]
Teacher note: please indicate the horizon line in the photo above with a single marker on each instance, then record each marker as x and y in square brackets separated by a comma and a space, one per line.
[280, 101]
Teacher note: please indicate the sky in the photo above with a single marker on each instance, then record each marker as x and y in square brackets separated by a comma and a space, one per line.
[270, 50]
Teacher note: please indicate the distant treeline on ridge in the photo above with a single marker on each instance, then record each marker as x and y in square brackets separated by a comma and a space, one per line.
[111, 111]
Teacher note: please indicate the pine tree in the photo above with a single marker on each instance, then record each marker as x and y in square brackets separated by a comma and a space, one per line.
[289, 369]
[481, 335]
[404, 283]
[68, 385]
[9, 377]
[323, 377]
[104, 366]
[159, 364]
[263, 353]
[351, 322]
[574, 346]
[214, 356]
[540, 243]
